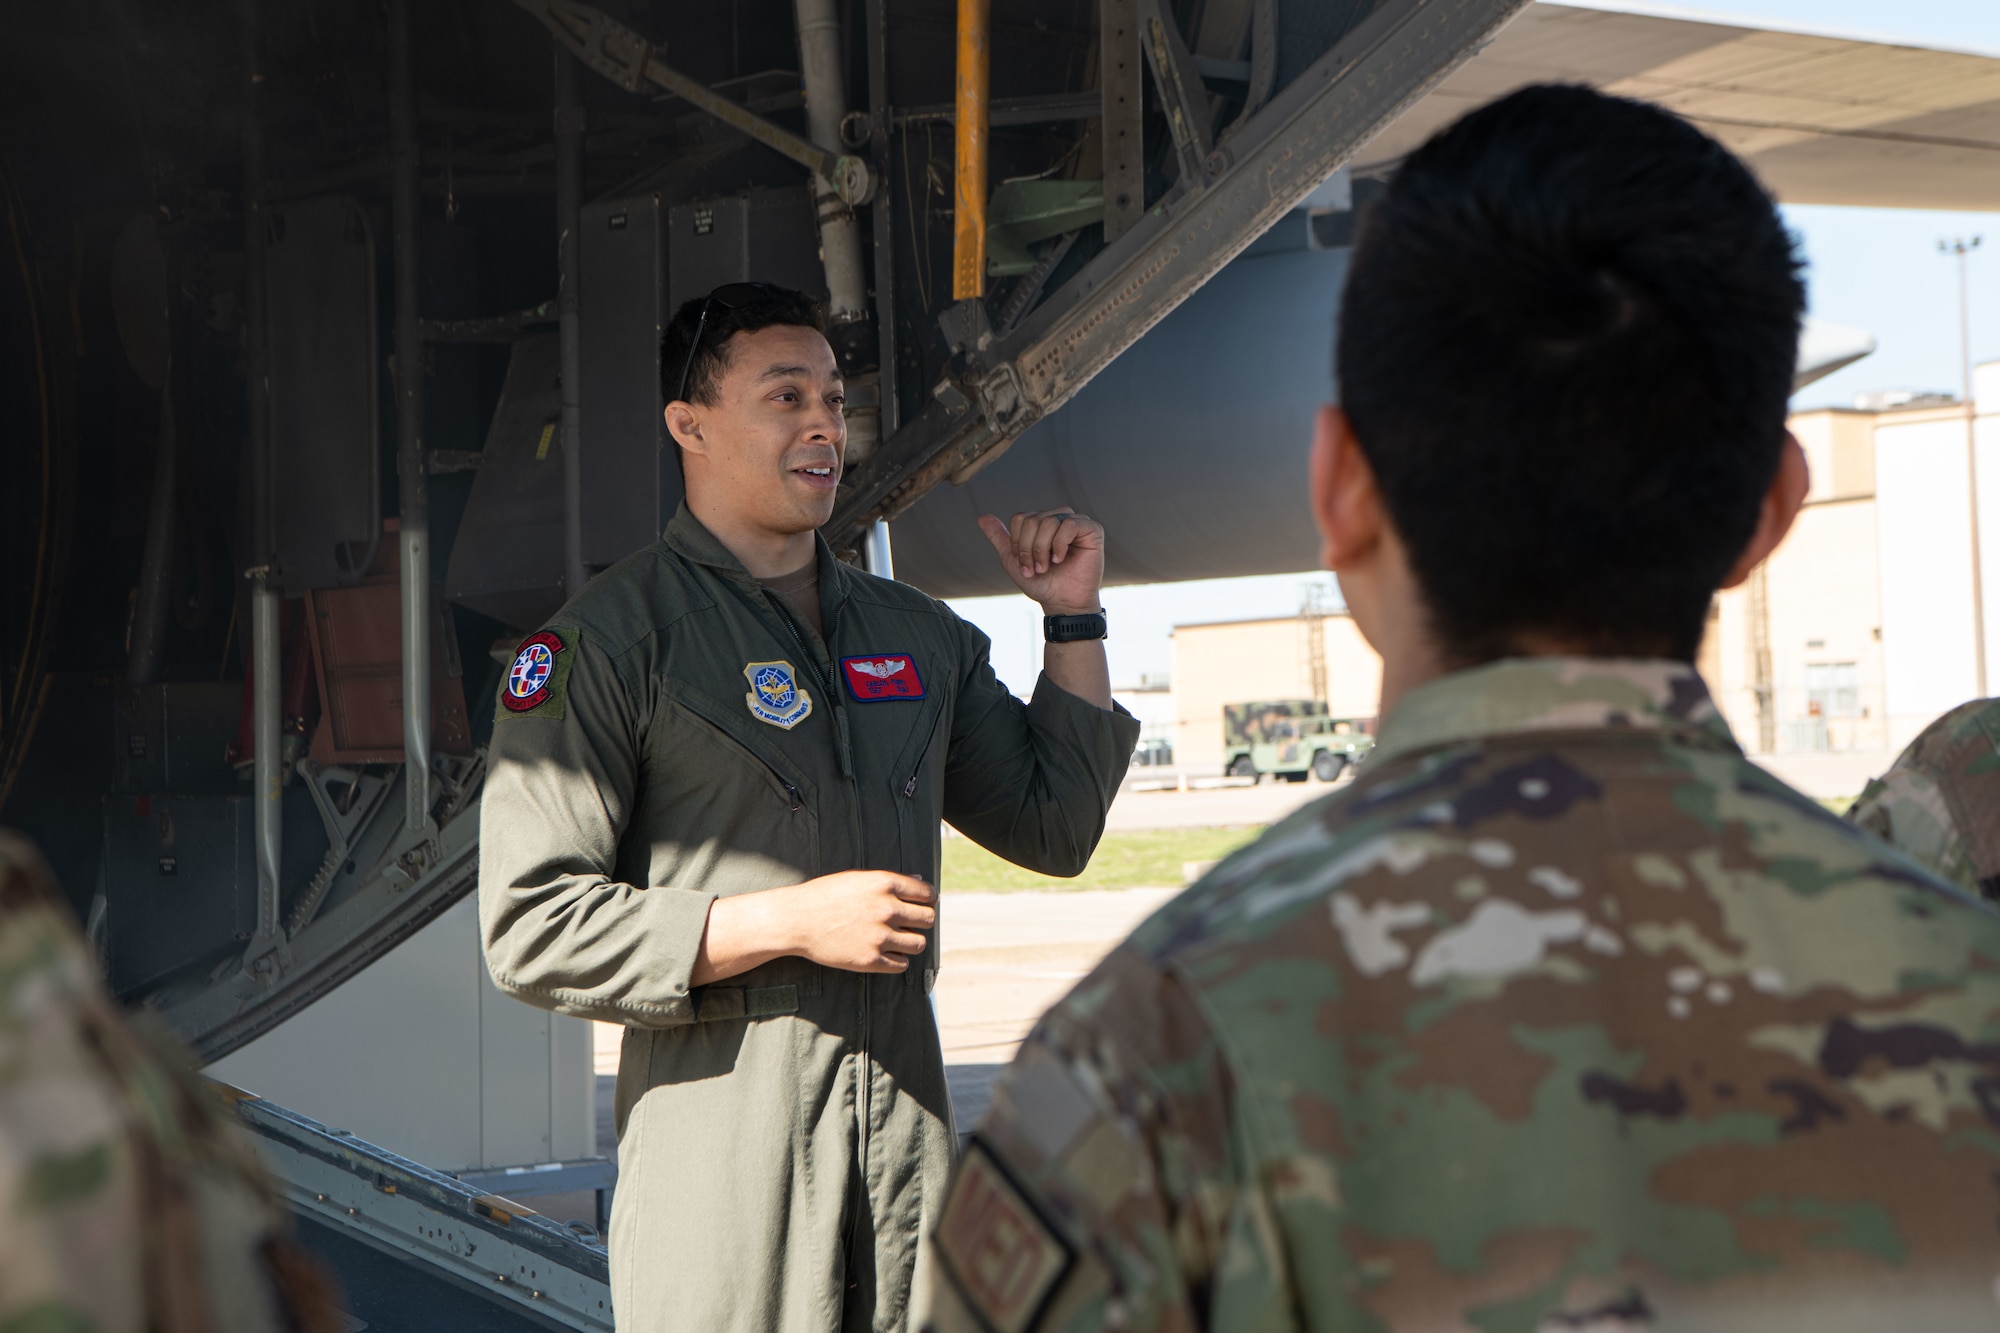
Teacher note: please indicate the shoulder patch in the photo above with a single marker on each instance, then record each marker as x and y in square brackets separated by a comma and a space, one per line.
[775, 694]
[1003, 1257]
[886, 676]
[536, 681]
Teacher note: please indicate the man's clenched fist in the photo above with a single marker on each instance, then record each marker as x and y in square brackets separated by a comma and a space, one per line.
[859, 920]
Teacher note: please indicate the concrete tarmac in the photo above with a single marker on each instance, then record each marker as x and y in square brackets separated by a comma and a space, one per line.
[1210, 805]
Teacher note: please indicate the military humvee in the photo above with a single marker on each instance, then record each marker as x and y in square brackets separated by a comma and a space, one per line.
[1290, 738]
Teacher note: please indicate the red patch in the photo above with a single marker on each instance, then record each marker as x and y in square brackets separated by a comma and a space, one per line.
[533, 673]
[888, 676]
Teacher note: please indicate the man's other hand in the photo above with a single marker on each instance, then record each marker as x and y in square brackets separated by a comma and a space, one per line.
[1055, 556]
[860, 920]
[857, 920]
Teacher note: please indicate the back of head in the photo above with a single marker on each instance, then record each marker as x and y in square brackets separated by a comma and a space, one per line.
[1566, 347]
[734, 308]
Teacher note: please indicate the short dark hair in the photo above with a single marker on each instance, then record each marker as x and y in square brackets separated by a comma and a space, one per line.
[1566, 346]
[774, 306]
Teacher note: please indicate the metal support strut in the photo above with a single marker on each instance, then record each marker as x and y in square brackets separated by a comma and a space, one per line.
[881, 559]
[630, 61]
[415, 535]
[266, 670]
[826, 105]
[569, 220]
[820, 57]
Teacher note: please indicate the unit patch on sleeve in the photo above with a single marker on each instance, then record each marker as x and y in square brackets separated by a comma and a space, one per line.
[776, 695]
[535, 682]
[1005, 1258]
[890, 676]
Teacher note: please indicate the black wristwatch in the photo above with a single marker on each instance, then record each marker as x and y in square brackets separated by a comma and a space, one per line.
[1075, 629]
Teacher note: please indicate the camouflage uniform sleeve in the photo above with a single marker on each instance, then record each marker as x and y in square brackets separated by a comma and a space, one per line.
[1939, 803]
[561, 930]
[128, 1200]
[1100, 1189]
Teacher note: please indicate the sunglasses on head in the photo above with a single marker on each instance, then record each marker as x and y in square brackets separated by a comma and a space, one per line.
[730, 296]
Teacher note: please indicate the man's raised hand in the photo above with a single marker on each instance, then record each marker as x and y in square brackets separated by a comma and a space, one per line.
[1055, 556]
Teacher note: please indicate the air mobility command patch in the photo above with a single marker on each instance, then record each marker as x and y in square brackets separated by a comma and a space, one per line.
[535, 682]
[776, 695]
[1005, 1258]
[890, 676]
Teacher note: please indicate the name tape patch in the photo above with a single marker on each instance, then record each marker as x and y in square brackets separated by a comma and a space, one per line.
[887, 676]
[537, 673]
[775, 694]
[1005, 1258]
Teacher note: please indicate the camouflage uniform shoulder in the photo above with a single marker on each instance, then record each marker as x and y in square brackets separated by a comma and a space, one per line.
[1563, 1014]
[128, 1200]
[1939, 803]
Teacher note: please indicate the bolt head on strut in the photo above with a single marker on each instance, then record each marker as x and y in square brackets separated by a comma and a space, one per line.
[852, 180]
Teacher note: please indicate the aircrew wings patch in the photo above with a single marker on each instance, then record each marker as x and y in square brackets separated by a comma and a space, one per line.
[1003, 1258]
[535, 682]
[886, 676]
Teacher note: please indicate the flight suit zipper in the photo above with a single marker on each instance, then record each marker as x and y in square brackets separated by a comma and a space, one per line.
[864, 1036]
[824, 681]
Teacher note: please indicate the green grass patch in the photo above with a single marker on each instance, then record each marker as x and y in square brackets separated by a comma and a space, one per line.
[1146, 858]
[1838, 804]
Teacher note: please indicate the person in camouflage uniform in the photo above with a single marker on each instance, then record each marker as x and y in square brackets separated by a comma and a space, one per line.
[1564, 1015]
[1940, 800]
[128, 1203]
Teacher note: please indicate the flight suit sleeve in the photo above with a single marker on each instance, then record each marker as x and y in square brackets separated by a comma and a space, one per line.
[1098, 1191]
[560, 929]
[1031, 782]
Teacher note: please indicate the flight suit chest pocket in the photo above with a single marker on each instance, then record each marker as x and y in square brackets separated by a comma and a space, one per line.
[720, 786]
[915, 787]
[916, 790]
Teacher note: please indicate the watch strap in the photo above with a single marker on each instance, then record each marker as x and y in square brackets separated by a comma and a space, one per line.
[1076, 629]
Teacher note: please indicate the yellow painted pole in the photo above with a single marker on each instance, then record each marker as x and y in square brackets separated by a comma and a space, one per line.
[968, 249]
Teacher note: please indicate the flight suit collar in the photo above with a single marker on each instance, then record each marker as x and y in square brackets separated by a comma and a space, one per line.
[689, 537]
[1540, 694]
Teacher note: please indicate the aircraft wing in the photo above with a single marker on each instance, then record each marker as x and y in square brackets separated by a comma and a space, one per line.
[1822, 119]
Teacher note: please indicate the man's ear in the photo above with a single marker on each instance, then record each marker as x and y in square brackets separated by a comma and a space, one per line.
[685, 426]
[1781, 506]
[1346, 505]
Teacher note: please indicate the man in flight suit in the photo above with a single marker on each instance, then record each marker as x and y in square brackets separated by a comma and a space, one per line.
[713, 817]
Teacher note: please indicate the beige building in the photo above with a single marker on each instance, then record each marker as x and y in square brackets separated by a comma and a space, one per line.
[1859, 630]
[1240, 661]
[1856, 633]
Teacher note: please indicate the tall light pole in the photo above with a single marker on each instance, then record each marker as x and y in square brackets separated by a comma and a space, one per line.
[1959, 247]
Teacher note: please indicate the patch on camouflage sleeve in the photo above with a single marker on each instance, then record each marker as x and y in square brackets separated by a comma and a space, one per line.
[1004, 1259]
[536, 681]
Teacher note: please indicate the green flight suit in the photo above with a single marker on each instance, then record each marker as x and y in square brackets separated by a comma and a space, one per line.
[785, 1136]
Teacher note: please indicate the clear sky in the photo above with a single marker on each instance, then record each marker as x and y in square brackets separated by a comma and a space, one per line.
[1873, 268]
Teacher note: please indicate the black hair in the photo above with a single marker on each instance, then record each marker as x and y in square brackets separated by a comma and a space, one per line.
[1566, 346]
[771, 306]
